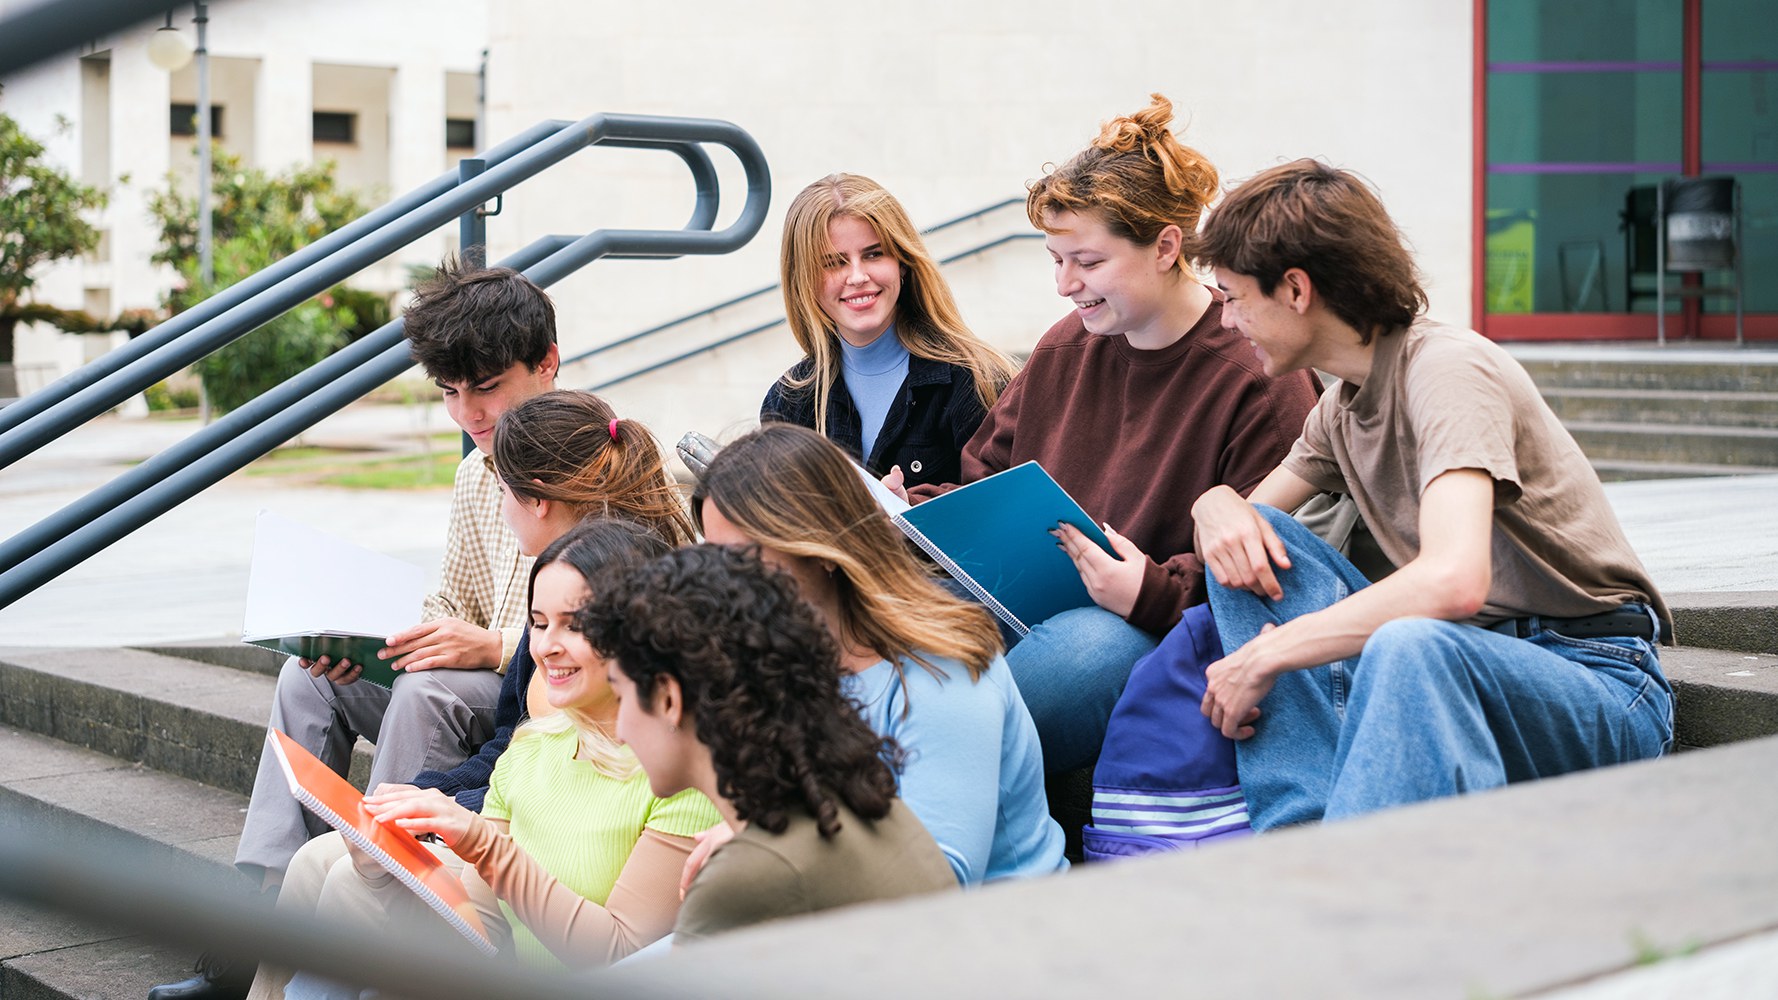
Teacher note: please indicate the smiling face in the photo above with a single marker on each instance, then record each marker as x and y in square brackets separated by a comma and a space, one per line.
[1278, 329]
[1116, 286]
[664, 742]
[476, 406]
[860, 281]
[574, 675]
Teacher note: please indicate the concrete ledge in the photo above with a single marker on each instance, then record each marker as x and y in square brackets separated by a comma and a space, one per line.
[1746, 620]
[223, 653]
[1722, 696]
[1494, 895]
[194, 720]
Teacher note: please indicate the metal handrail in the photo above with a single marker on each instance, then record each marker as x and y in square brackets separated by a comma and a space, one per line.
[107, 879]
[345, 260]
[768, 289]
[232, 296]
[74, 533]
[769, 324]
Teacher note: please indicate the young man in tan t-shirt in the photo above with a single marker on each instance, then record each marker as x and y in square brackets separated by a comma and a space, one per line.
[1516, 638]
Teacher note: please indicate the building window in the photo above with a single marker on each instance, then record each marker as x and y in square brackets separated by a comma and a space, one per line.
[460, 133]
[183, 120]
[336, 126]
[1589, 105]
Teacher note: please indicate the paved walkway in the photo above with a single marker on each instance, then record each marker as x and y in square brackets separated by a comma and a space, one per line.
[184, 576]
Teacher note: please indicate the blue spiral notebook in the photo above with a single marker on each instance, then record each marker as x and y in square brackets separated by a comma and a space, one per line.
[994, 537]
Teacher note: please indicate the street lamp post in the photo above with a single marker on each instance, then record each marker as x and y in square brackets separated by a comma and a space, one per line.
[171, 51]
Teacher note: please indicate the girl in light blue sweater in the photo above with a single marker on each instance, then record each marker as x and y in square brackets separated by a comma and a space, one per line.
[923, 666]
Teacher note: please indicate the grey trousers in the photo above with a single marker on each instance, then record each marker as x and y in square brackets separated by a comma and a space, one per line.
[432, 720]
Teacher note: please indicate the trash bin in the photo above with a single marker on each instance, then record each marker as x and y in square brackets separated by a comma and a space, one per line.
[1700, 223]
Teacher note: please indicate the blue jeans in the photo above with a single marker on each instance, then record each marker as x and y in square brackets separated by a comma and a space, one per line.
[1429, 708]
[1071, 668]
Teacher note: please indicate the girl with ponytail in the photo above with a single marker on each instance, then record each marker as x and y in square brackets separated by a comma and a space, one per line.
[1136, 402]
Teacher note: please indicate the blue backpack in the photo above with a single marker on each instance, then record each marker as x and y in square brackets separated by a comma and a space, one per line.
[1165, 779]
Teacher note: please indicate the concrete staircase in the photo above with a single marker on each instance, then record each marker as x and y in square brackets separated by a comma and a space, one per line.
[159, 746]
[1641, 413]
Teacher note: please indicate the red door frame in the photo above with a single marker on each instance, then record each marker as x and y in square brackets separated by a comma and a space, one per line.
[1692, 323]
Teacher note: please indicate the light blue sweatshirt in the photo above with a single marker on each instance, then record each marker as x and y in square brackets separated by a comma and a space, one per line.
[974, 768]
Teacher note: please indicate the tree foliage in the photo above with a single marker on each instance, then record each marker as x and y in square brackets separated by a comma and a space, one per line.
[257, 219]
[42, 219]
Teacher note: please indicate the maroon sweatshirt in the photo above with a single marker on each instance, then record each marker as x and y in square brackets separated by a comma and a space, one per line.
[1137, 436]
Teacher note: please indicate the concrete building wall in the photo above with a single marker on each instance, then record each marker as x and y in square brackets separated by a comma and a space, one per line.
[272, 65]
[954, 106]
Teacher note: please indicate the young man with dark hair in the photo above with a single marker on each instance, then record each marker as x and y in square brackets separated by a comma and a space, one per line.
[487, 337]
[1516, 638]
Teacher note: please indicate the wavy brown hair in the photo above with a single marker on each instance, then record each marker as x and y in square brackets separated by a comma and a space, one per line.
[1328, 222]
[570, 447]
[1137, 177]
[926, 317]
[760, 676]
[793, 490]
[469, 324]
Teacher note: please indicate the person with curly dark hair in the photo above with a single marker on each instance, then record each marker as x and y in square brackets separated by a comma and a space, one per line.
[728, 683]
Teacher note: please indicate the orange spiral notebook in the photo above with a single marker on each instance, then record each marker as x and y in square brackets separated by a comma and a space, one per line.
[332, 798]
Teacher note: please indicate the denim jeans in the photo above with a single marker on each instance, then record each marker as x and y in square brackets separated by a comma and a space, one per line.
[1429, 708]
[1071, 668]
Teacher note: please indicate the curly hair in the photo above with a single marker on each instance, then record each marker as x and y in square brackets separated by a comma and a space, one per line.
[1137, 177]
[760, 677]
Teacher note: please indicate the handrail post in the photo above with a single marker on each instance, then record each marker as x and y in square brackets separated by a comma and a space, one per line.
[472, 242]
[472, 226]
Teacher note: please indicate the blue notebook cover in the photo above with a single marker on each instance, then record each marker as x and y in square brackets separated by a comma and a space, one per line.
[994, 537]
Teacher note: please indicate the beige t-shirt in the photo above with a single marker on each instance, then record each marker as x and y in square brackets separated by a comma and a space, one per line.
[1440, 398]
[760, 876]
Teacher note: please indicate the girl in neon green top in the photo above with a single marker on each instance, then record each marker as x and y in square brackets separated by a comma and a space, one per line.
[583, 859]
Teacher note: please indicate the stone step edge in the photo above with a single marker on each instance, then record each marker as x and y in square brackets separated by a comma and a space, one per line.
[1634, 468]
[1668, 430]
[1744, 621]
[137, 724]
[1504, 893]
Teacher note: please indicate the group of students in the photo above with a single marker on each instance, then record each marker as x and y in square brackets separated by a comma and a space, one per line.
[617, 731]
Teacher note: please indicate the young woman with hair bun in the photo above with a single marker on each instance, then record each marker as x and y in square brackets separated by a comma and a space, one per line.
[1137, 401]
[891, 374]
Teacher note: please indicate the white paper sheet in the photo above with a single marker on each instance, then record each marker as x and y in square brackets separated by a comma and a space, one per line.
[306, 581]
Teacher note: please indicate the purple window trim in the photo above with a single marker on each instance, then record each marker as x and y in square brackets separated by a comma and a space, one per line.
[1629, 168]
[1631, 66]
[1587, 66]
[1585, 168]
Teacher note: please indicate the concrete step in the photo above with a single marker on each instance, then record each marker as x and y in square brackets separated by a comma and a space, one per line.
[91, 802]
[1606, 368]
[1506, 893]
[1628, 470]
[195, 720]
[1755, 448]
[1664, 406]
[1722, 696]
[1746, 621]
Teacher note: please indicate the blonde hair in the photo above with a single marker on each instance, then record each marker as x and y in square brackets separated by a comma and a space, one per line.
[789, 488]
[927, 321]
[600, 749]
[569, 447]
[1137, 177]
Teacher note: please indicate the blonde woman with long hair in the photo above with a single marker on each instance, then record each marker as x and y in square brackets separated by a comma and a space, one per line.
[924, 667]
[891, 374]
